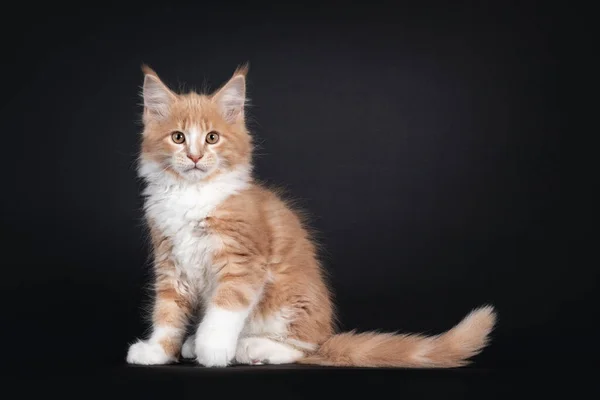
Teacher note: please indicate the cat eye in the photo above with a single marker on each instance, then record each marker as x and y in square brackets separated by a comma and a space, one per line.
[212, 138]
[178, 137]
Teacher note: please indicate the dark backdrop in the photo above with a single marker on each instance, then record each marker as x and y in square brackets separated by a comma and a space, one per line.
[422, 139]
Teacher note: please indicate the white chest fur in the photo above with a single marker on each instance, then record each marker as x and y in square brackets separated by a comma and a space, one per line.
[178, 210]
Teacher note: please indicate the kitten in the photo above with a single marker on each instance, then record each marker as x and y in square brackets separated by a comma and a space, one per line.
[235, 253]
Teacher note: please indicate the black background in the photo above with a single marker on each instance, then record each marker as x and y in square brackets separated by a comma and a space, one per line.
[423, 139]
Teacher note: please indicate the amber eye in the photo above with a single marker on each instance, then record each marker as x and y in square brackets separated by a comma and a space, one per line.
[212, 138]
[178, 137]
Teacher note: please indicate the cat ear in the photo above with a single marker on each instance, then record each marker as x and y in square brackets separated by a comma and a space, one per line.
[231, 98]
[158, 98]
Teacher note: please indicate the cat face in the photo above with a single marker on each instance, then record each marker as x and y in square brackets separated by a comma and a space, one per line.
[193, 137]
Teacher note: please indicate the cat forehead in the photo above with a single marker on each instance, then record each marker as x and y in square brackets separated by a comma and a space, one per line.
[193, 103]
[198, 124]
[194, 109]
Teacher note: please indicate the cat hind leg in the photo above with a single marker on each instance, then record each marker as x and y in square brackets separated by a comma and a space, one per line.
[260, 350]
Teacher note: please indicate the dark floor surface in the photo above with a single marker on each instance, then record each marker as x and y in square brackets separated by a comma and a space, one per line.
[186, 380]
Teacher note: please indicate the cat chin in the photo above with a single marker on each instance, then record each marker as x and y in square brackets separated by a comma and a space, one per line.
[197, 175]
[194, 175]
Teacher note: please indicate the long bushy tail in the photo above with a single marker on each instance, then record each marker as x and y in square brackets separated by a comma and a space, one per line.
[452, 348]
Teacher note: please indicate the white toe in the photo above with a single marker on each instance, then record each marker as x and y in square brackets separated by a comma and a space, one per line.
[214, 349]
[145, 353]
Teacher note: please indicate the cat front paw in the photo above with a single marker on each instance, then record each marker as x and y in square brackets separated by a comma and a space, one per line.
[145, 353]
[215, 349]
[188, 350]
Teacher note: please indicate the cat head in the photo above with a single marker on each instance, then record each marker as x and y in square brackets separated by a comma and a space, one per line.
[193, 137]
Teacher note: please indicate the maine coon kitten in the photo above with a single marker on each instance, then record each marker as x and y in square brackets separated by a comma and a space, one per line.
[235, 255]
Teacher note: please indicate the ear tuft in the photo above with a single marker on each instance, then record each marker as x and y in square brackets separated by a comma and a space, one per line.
[243, 69]
[148, 71]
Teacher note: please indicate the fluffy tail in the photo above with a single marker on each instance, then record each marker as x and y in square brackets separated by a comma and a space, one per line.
[450, 349]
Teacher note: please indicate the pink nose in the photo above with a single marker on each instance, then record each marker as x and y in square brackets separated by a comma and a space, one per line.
[194, 158]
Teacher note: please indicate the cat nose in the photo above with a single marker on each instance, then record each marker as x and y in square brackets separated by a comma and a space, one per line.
[194, 158]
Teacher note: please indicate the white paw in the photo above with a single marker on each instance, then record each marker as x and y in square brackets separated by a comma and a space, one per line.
[215, 349]
[145, 353]
[258, 351]
[188, 350]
